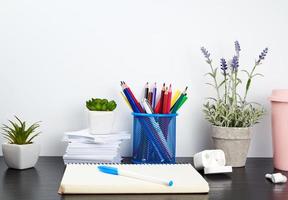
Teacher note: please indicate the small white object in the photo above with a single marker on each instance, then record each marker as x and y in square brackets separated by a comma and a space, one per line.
[209, 158]
[21, 156]
[217, 170]
[212, 161]
[277, 178]
[101, 122]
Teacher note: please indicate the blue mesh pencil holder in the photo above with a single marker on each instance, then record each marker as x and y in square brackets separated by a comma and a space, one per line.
[154, 138]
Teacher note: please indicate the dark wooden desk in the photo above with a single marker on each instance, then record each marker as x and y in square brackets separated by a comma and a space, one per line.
[42, 182]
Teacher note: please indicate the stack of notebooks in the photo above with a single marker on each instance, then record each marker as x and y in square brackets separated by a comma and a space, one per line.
[84, 147]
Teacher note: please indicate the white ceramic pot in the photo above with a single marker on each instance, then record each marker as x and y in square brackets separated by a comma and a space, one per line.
[101, 122]
[21, 156]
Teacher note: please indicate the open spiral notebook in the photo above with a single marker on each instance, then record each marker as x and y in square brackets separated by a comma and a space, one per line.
[87, 179]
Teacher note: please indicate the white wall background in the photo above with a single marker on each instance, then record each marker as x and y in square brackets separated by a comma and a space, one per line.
[56, 54]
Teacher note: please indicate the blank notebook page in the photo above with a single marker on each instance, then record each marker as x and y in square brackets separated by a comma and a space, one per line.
[87, 179]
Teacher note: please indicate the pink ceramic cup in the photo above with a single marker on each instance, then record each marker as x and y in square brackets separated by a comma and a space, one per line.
[279, 112]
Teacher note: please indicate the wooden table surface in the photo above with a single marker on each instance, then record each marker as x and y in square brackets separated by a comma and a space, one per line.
[42, 183]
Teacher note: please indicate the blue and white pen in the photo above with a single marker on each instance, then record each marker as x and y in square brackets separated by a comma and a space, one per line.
[116, 171]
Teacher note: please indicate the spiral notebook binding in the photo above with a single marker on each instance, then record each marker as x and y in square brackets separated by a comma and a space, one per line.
[103, 163]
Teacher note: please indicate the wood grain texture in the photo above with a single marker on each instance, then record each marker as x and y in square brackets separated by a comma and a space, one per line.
[42, 183]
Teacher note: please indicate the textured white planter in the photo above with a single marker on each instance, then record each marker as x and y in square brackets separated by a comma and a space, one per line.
[234, 142]
[101, 122]
[21, 156]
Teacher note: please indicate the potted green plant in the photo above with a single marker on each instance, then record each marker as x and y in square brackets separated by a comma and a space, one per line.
[20, 152]
[101, 115]
[230, 114]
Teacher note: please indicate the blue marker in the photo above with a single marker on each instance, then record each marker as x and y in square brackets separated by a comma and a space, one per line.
[116, 171]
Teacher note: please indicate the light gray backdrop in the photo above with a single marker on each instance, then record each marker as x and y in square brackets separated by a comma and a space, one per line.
[56, 54]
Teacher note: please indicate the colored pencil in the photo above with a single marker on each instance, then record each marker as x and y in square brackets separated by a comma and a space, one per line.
[182, 102]
[129, 98]
[150, 96]
[158, 108]
[125, 99]
[165, 102]
[175, 97]
[179, 100]
[146, 90]
[133, 97]
[169, 99]
[154, 96]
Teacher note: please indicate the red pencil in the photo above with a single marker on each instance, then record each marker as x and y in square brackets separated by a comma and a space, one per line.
[165, 102]
[169, 99]
[158, 108]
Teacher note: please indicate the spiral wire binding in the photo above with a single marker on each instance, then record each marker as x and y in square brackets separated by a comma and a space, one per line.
[149, 164]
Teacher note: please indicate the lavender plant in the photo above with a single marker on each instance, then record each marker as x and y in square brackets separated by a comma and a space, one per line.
[229, 108]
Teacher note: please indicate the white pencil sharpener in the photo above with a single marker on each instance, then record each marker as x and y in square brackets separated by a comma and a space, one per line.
[212, 161]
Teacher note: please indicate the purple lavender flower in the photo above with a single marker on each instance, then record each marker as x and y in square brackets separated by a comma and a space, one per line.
[235, 63]
[206, 55]
[262, 55]
[237, 47]
[223, 65]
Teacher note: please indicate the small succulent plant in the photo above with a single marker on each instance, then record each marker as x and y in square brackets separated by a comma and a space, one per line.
[101, 105]
[18, 133]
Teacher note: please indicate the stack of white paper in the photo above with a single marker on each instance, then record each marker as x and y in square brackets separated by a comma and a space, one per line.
[84, 147]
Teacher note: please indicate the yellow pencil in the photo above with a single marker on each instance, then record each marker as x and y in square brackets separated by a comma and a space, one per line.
[126, 100]
[175, 97]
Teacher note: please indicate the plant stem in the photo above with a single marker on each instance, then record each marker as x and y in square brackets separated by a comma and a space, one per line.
[250, 77]
[229, 86]
[235, 89]
[215, 81]
[225, 95]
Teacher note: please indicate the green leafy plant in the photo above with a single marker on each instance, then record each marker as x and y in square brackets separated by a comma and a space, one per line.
[229, 108]
[18, 133]
[101, 105]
